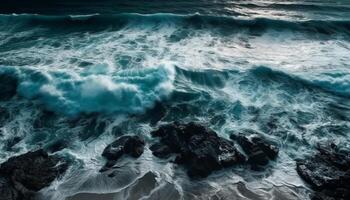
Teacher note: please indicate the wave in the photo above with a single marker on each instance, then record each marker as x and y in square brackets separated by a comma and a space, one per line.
[180, 6]
[96, 89]
[336, 83]
[196, 21]
[300, 6]
[99, 89]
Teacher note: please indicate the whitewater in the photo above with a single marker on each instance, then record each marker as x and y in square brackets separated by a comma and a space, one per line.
[89, 73]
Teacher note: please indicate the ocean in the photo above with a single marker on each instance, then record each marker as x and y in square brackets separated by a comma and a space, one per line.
[88, 72]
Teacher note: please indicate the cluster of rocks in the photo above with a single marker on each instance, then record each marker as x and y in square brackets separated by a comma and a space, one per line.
[197, 148]
[200, 149]
[328, 173]
[22, 176]
[194, 146]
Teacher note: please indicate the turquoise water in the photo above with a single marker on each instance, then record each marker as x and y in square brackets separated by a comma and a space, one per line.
[90, 71]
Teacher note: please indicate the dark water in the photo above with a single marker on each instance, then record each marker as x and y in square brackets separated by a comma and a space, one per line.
[89, 71]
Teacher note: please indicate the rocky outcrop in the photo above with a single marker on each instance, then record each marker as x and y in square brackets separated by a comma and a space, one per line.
[328, 173]
[129, 145]
[22, 176]
[198, 148]
[258, 150]
[8, 87]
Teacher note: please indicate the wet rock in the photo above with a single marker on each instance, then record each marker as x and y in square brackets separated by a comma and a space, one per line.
[134, 146]
[8, 86]
[155, 114]
[23, 175]
[7, 190]
[270, 150]
[328, 172]
[160, 150]
[129, 145]
[258, 150]
[200, 149]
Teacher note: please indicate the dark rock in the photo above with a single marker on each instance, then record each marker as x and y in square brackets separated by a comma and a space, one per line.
[256, 156]
[130, 145]
[270, 150]
[23, 175]
[200, 149]
[160, 150]
[134, 146]
[328, 172]
[155, 114]
[8, 86]
[7, 190]
[258, 150]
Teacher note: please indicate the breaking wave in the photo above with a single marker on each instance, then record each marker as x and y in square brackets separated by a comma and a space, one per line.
[96, 89]
[197, 21]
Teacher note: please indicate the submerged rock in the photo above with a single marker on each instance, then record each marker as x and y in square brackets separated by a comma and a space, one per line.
[200, 149]
[23, 175]
[328, 172]
[258, 150]
[8, 87]
[130, 145]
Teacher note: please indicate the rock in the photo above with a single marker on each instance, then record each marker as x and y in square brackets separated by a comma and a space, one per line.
[7, 190]
[23, 175]
[258, 150]
[160, 150]
[328, 172]
[8, 87]
[130, 145]
[270, 150]
[134, 146]
[200, 149]
[155, 114]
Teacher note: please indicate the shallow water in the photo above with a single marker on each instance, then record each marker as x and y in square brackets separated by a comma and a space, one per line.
[91, 71]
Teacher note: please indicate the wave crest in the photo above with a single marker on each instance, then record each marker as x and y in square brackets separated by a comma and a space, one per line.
[71, 93]
[227, 23]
